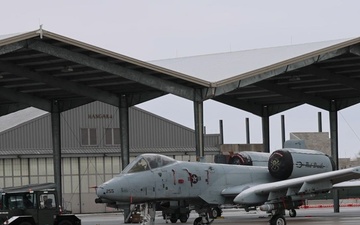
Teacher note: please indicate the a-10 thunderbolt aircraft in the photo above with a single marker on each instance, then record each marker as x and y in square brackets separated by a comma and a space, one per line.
[292, 176]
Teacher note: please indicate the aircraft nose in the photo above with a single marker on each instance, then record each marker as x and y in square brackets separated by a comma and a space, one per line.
[100, 191]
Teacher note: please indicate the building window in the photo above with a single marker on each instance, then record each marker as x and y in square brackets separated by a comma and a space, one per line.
[88, 136]
[112, 136]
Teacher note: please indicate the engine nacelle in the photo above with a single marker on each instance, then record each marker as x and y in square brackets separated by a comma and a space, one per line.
[248, 158]
[290, 163]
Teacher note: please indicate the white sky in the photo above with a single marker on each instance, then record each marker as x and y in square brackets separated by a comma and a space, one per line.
[150, 30]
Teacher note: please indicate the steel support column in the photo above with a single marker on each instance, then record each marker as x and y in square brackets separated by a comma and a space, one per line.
[247, 126]
[266, 129]
[56, 140]
[334, 147]
[282, 130]
[221, 127]
[124, 141]
[124, 131]
[199, 129]
[319, 122]
[79, 184]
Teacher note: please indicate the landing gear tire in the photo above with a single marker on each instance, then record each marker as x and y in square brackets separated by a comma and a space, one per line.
[173, 220]
[214, 212]
[292, 213]
[198, 221]
[277, 220]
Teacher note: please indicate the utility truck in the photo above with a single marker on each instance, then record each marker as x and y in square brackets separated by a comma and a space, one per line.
[34, 204]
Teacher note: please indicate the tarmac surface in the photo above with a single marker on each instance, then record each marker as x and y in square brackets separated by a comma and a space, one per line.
[313, 216]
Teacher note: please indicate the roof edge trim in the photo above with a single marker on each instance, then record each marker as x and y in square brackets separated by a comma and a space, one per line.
[19, 37]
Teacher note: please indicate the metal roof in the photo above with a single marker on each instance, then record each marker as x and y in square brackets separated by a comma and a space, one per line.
[40, 67]
[19, 117]
[271, 80]
[220, 67]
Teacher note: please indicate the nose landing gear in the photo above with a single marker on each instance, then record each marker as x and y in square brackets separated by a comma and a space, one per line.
[203, 219]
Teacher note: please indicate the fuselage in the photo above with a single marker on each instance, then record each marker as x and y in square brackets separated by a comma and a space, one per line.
[178, 180]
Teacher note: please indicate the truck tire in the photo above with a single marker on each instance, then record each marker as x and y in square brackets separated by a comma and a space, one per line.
[65, 222]
[183, 217]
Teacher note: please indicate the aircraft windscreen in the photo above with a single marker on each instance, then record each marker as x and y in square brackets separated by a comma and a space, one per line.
[146, 162]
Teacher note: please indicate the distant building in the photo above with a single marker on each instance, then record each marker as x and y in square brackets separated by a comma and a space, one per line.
[321, 141]
[314, 140]
[90, 148]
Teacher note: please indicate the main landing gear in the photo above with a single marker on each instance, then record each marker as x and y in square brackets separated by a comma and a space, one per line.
[277, 211]
[292, 212]
[207, 215]
[214, 212]
[277, 217]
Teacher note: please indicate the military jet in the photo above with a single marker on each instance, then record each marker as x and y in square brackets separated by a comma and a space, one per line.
[292, 176]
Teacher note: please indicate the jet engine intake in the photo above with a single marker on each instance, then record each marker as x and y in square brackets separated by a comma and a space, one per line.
[248, 158]
[291, 163]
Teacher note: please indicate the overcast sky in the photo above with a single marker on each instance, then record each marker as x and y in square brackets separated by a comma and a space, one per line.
[150, 30]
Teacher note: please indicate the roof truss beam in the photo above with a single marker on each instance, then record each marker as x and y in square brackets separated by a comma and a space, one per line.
[69, 86]
[254, 108]
[277, 108]
[355, 49]
[12, 47]
[73, 103]
[297, 95]
[25, 99]
[135, 99]
[145, 79]
[333, 77]
[12, 107]
[344, 103]
[240, 104]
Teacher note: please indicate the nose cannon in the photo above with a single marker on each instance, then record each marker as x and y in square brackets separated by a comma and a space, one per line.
[101, 193]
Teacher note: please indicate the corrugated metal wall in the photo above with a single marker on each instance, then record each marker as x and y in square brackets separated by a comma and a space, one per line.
[146, 130]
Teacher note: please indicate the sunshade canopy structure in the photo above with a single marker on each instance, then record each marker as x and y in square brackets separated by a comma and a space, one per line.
[55, 73]
[38, 67]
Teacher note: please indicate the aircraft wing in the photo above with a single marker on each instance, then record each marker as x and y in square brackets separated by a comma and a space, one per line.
[348, 184]
[296, 188]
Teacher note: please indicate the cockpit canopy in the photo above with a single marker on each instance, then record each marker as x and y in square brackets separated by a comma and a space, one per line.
[146, 162]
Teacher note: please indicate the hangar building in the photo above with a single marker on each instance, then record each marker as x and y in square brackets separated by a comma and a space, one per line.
[90, 148]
